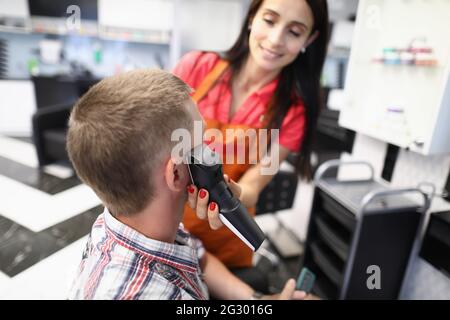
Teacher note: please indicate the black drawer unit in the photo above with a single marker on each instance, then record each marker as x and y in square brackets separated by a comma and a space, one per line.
[436, 242]
[357, 224]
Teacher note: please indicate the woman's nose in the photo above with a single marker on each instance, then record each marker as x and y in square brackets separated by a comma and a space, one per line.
[276, 37]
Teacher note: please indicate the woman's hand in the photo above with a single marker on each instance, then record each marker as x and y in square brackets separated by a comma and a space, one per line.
[198, 201]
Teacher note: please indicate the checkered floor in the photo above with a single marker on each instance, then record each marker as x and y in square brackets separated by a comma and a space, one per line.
[45, 215]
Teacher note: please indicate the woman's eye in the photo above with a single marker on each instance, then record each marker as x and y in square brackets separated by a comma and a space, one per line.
[295, 33]
[269, 22]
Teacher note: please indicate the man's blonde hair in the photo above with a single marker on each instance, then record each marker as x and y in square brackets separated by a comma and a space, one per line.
[120, 131]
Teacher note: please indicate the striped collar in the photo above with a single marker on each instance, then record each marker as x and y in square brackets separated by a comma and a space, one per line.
[179, 255]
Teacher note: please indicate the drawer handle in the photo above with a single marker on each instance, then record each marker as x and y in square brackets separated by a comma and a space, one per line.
[337, 163]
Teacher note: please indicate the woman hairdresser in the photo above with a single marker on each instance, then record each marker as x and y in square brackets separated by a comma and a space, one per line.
[270, 78]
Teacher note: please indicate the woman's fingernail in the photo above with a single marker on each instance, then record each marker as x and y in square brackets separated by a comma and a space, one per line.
[191, 189]
[212, 206]
[202, 194]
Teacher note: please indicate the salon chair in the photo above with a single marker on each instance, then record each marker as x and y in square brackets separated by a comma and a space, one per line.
[55, 97]
[49, 133]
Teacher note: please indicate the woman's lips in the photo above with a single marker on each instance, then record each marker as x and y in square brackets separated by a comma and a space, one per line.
[269, 54]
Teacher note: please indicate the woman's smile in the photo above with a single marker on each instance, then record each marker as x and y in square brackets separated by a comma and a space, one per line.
[269, 54]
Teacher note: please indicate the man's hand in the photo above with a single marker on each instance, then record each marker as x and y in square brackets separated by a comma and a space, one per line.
[289, 293]
[198, 200]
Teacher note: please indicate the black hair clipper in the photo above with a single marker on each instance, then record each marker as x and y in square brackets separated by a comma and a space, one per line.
[205, 168]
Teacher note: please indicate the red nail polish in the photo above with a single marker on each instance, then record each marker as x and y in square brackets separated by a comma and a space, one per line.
[191, 189]
[212, 206]
[202, 194]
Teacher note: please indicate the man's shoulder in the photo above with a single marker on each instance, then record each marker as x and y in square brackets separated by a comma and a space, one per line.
[156, 281]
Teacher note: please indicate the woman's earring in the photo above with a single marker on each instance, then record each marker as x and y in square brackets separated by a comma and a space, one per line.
[303, 50]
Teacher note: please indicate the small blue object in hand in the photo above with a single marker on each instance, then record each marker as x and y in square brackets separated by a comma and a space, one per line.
[305, 281]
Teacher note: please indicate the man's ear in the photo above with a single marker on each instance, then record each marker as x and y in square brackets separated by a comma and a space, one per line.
[311, 38]
[175, 175]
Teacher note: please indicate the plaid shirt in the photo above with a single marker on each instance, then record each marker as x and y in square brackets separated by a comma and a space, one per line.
[120, 263]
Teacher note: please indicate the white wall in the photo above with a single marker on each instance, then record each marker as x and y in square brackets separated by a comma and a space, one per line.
[17, 105]
[209, 24]
[17, 8]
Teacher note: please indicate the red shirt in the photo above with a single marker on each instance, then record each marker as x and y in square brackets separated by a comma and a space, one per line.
[194, 67]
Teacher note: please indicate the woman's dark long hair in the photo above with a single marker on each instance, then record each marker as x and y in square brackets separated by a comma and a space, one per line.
[300, 79]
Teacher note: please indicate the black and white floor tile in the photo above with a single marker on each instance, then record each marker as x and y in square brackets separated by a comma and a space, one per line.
[45, 216]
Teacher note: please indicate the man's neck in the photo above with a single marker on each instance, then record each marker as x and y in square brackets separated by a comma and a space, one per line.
[159, 220]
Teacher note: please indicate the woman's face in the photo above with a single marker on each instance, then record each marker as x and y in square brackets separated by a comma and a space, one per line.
[279, 30]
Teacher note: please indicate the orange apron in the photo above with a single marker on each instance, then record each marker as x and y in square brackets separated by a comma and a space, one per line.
[223, 243]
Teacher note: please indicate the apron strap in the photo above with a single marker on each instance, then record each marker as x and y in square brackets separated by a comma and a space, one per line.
[209, 81]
